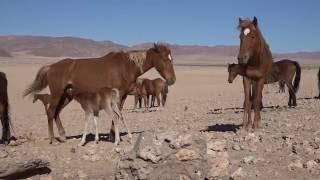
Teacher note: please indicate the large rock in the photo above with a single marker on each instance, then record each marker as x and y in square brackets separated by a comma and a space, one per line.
[165, 155]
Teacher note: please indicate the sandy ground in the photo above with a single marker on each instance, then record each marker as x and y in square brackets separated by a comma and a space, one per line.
[199, 100]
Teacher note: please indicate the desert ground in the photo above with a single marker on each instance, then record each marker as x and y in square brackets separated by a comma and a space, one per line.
[200, 101]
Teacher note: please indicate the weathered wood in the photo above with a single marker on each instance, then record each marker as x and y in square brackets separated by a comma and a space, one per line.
[10, 168]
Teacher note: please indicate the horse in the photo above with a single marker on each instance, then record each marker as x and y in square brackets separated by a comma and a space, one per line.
[282, 71]
[160, 87]
[154, 88]
[139, 92]
[114, 70]
[44, 98]
[4, 109]
[255, 54]
[92, 102]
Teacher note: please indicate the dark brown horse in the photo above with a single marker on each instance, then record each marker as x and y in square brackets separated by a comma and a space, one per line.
[255, 54]
[4, 109]
[282, 71]
[139, 92]
[114, 70]
[155, 88]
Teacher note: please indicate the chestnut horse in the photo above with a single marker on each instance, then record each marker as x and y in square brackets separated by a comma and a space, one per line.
[4, 109]
[255, 54]
[139, 92]
[114, 70]
[282, 71]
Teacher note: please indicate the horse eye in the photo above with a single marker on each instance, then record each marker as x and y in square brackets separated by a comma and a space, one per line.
[252, 37]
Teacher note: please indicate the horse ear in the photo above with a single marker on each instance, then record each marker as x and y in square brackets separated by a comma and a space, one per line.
[255, 21]
[156, 47]
[240, 20]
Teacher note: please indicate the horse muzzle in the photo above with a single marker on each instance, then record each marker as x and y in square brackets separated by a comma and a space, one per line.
[171, 81]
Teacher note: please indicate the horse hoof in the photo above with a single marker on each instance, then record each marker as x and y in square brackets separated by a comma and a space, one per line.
[96, 141]
[81, 144]
[63, 138]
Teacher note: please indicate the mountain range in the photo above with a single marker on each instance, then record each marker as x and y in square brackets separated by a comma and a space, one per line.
[79, 47]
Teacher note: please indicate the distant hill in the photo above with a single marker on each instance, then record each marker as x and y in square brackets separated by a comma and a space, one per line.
[80, 47]
[4, 53]
[57, 46]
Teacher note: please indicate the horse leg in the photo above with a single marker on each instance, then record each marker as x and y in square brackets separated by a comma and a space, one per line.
[123, 99]
[257, 103]
[96, 138]
[61, 130]
[152, 101]
[145, 100]
[85, 131]
[136, 100]
[50, 114]
[117, 111]
[158, 99]
[140, 102]
[292, 95]
[116, 130]
[246, 104]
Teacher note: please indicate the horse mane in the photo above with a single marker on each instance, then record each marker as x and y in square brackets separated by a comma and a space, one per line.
[138, 57]
[263, 49]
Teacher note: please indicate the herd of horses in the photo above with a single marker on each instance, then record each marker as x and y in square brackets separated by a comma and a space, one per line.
[104, 83]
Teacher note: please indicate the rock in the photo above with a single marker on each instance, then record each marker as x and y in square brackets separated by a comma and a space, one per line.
[219, 145]
[81, 174]
[248, 160]
[151, 153]
[237, 174]
[218, 168]
[295, 164]
[310, 164]
[186, 155]
[236, 147]
[3, 153]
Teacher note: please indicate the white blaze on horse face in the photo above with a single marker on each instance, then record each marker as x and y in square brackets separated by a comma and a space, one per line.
[246, 31]
[170, 57]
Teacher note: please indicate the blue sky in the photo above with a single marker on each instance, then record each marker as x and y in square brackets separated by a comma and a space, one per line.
[288, 25]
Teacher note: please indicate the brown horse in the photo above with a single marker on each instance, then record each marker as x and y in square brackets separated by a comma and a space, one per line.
[4, 109]
[44, 98]
[154, 88]
[282, 71]
[255, 54]
[160, 87]
[114, 70]
[139, 92]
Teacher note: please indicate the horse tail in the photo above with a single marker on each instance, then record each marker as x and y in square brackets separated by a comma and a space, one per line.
[164, 93]
[68, 93]
[6, 122]
[39, 83]
[297, 78]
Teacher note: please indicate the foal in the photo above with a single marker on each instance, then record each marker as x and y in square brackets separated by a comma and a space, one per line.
[44, 98]
[139, 91]
[106, 99]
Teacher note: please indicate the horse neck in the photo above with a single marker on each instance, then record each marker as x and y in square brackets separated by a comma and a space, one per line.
[240, 70]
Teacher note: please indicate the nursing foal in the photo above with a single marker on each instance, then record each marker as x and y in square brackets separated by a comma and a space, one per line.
[106, 99]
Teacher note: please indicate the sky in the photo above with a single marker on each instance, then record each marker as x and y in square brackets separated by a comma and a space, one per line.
[287, 25]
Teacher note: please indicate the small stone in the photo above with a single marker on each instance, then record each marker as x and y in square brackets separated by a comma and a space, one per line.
[310, 164]
[236, 147]
[218, 168]
[117, 150]
[219, 145]
[81, 174]
[248, 160]
[186, 155]
[3, 153]
[73, 150]
[295, 164]
[237, 174]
